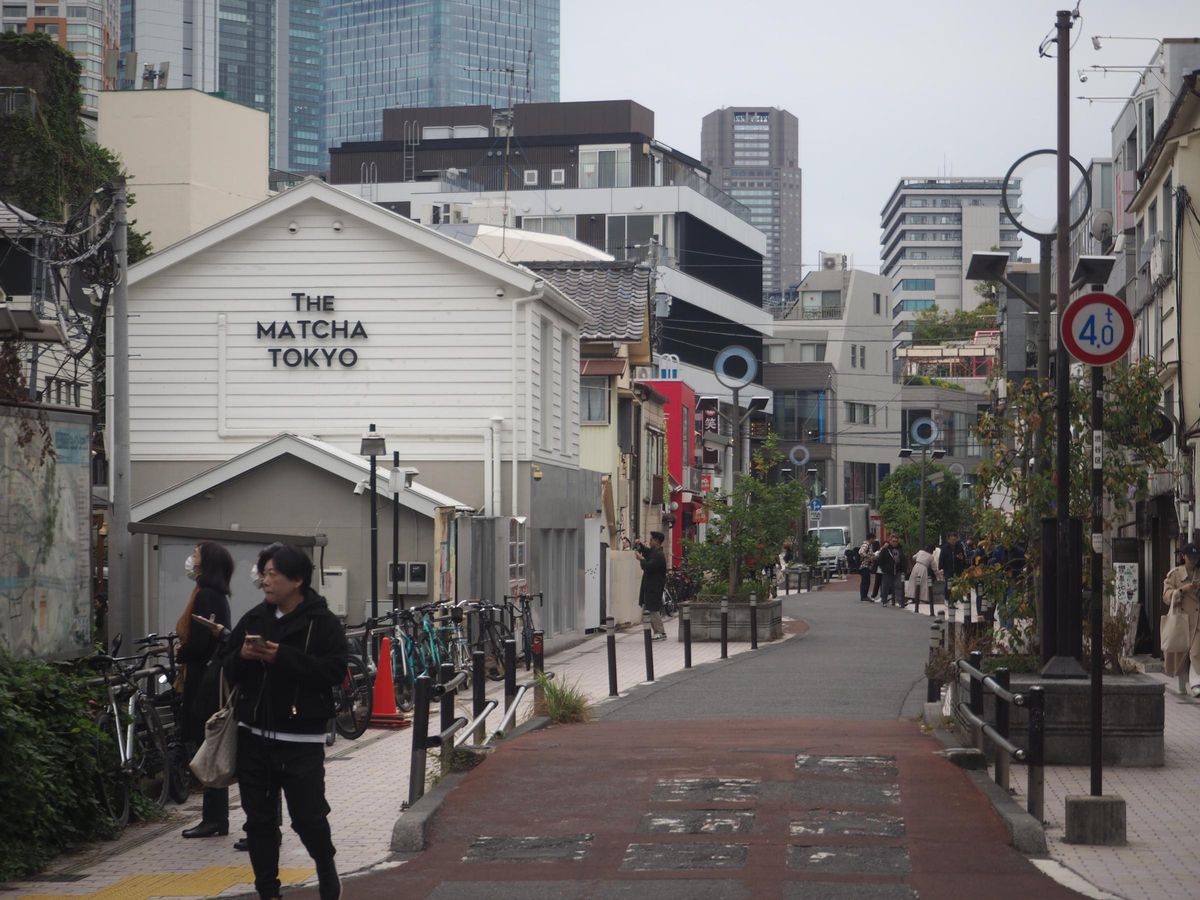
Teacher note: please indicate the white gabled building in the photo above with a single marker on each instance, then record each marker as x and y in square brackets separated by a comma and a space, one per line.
[318, 313]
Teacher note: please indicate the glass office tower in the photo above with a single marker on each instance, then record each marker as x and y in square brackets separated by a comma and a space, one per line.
[416, 53]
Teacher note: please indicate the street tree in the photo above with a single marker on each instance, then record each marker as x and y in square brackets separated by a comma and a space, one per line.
[900, 503]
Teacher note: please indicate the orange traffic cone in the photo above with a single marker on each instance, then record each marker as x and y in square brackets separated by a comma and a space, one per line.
[384, 713]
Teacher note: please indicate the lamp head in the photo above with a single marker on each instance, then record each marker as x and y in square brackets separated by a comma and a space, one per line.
[987, 265]
[1092, 270]
[938, 454]
[906, 452]
[757, 404]
[373, 444]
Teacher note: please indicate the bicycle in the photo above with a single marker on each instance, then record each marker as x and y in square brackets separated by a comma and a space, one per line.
[493, 632]
[169, 704]
[130, 725]
[523, 611]
[353, 698]
[679, 590]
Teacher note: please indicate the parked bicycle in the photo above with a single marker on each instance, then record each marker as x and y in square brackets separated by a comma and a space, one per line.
[521, 617]
[353, 698]
[679, 590]
[134, 751]
[493, 632]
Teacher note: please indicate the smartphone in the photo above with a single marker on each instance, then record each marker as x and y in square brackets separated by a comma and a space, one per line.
[253, 639]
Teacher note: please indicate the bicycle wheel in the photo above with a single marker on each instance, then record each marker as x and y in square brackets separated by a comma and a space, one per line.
[404, 675]
[112, 782]
[150, 757]
[354, 709]
[179, 775]
[495, 634]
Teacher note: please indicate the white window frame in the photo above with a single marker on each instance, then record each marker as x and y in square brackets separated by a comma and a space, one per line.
[530, 178]
[558, 176]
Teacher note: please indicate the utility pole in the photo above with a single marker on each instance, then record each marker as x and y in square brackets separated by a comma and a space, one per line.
[924, 463]
[1066, 663]
[119, 495]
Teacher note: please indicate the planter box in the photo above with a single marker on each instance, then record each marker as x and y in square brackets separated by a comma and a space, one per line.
[706, 620]
[1134, 713]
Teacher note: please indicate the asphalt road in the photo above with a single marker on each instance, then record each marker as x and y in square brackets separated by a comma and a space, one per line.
[857, 661]
[793, 772]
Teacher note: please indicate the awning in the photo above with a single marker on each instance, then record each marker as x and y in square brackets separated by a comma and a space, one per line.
[607, 366]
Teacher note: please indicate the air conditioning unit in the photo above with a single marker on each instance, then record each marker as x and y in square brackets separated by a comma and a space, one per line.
[1160, 261]
[643, 373]
[333, 587]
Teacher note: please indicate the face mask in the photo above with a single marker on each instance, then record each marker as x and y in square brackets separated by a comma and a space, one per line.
[189, 568]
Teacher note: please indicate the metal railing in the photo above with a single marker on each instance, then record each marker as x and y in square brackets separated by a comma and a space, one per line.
[973, 714]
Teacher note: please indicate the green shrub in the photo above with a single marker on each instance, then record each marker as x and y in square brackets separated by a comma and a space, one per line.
[561, 703]
[47, 766]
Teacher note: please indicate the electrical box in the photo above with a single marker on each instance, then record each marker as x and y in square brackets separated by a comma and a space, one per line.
[333, 588]
[410, 577]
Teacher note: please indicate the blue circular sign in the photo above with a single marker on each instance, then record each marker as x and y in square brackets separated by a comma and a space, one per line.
[815, 504]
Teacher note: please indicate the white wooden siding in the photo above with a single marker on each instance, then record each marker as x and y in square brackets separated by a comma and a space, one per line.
[435, 367]
[556, 417]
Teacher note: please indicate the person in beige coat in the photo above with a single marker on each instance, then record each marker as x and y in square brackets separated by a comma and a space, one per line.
[1181, 589]
[919, 579]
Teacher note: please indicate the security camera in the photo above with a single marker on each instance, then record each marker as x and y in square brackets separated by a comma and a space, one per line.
[293, 227]
[499, 292]
[1082, 76]
[360, 487]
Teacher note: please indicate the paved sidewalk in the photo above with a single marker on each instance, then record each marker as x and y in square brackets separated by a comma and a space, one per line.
[366, 785]
[1161, 860]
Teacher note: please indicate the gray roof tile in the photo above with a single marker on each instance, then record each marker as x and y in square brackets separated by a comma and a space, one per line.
[614, 293]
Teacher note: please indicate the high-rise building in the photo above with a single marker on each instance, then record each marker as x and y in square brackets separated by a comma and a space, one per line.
[931, 226]
[412, 54]
[165, 43]
[754, 156]
[90, 29]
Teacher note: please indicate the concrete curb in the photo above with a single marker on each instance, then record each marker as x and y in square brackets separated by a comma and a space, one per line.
[1025, 833]
[411, 831]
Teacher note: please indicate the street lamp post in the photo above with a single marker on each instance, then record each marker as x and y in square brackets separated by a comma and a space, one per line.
[396, 481]
[926, 455]
[757, 404]
[373, 446]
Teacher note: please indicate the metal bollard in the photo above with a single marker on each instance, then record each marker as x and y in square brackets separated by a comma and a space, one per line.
[538, 651]
[420, 739]
[687, 637]
[648, 639]
[447, 719]
[510, 673]
[976, 659]
[1036, 701]
[611, 627]
[725, 629]
[478, 693]
[933, 688]
[754, 621]
[1002, 758]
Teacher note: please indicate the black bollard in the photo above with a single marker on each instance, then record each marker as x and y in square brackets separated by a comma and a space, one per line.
[1036, 758]
[447, 718]
[648, 638]
[611, 627]
[538, 652]
[687, 637]
[754, 621]
[976, 660]
[933, 688]
[510, 673]
[725, 629]
[420, 739]
[1001, 678]
[478, 693]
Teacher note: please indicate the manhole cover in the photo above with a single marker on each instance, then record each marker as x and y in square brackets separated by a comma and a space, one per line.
[529, 849]
[706, 790]
[843, 823]
[673, 857]
[699, 821]
[850, 860]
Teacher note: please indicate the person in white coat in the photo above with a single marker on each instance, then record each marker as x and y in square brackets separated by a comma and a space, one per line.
[1181, 591]
[919, 578]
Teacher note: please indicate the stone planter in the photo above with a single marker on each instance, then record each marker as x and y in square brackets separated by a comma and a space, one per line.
[1134, 714]
[705, 613]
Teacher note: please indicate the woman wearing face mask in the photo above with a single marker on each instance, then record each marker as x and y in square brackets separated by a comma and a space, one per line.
[211, 567]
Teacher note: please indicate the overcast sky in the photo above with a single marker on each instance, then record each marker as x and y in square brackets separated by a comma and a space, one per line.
[882, 88]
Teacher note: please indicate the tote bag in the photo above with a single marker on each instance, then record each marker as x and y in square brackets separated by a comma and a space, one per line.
[215, 763]
[1174, 634]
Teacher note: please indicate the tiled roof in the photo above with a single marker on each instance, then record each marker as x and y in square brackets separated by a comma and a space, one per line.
[614, 293]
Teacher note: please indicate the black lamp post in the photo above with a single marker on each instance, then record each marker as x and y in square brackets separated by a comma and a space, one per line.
[373, 446]
[397, 480]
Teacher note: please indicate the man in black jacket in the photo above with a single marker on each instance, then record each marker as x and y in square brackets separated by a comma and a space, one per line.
[893, 570]
[952, 561]
[286, 654]
[654, 581]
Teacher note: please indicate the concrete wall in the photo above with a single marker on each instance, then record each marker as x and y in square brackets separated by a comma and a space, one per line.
[186, 169]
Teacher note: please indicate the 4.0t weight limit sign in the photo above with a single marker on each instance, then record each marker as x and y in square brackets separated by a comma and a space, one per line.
[1097, 329]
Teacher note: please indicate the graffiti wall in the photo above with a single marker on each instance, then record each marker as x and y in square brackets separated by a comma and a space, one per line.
[45, 537]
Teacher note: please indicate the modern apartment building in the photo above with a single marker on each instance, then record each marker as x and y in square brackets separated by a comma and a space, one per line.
[382, 54]
[754, 156]
[594, 172]
[90, 29]
[166, 43]
[930, 228]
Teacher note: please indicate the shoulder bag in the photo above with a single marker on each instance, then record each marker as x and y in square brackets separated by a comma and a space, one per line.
[1174, 634]
[215, 763]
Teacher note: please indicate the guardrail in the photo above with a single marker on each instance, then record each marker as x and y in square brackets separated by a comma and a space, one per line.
[1034, 701]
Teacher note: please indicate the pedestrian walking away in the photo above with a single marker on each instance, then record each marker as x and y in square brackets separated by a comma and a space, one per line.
[205, 618]
[1181, 592]
[950, 563]
[918, 586]
[654, 581]
[892, 570]
[287, 655]
[866, 566]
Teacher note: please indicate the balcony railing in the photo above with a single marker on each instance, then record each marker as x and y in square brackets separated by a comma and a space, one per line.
[809, 313]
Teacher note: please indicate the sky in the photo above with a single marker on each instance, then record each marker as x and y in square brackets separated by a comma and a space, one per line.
[883, 89]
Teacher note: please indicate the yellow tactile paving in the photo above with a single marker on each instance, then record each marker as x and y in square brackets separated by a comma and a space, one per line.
[203, 883]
